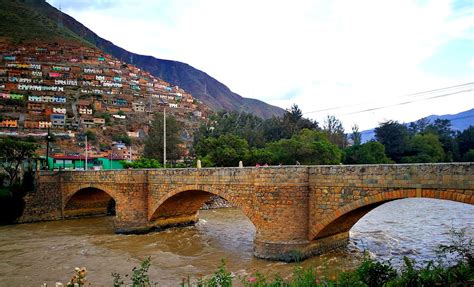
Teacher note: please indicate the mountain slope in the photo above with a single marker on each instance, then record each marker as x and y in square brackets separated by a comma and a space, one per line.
[21, 23]
[459, 122]
[198, 83]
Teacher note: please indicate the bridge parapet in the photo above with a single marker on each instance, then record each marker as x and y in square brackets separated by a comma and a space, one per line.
[434, 176]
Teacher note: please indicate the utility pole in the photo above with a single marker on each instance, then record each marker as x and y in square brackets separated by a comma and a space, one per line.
[85, 165]
[48, 139]
[164, 137]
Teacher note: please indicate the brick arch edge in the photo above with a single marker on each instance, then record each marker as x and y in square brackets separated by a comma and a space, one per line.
[452, 195]
[247, 210]
[75, 189]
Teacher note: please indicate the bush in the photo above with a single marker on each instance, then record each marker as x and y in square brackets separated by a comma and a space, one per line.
[369, 273]
[139, 276]
[142, 163]
[374, 273]
[122, 138]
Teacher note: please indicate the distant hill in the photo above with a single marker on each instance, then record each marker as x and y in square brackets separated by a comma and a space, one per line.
[459, 122]
[202, 86]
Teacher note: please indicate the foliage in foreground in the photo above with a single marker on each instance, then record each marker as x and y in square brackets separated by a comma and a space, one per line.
[455, 267]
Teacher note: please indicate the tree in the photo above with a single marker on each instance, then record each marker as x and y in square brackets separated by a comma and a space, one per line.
[142, 163]
[226, 150]
[106, 116]
[424, 148]
[13, 153]
[274, 129]
[465, 141]
[419, 126]
[91, 136]
[368, 153]
[442, 128]
[468, 156]
[260, 156]
[356, 136]
[124, 138]
[306, 147]
[394, 136]
[335, 131]
[293, 121]
[154, 143]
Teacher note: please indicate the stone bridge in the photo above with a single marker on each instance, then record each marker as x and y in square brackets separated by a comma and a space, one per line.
[297, 211]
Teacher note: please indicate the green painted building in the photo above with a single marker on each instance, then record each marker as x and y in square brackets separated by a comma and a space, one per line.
[58, 162]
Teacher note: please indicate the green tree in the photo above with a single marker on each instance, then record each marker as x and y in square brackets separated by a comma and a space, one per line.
[154, 143]
[226, 150]
[394, 136]
[424, 148]
[256, 131]
[13, 153]
[468, 156]
[306, 147]
[419, 127]
[294, 122]
[91, 136]
[122, 138]
[442, 128]
[244, 125]
[465, 141]
[260, 156]
[106, 116]
[335, 131]
[356, 136]
[368, 153]
[142, 163]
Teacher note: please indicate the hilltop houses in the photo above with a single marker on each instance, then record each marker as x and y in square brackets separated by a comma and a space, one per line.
[56, 74]
[67, 87]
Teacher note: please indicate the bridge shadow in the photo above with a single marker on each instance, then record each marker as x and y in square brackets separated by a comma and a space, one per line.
[89, 202]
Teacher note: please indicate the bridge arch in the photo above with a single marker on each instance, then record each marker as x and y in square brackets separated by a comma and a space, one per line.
[343, 218]
[181, 205]
[89, 200]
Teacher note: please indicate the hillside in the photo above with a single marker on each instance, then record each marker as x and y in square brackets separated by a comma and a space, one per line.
[459, 122]
[202, 86]
[52, 79]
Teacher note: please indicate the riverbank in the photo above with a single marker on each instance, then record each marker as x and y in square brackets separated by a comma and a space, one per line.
[216, 202]
[455, 267]
[48, 251]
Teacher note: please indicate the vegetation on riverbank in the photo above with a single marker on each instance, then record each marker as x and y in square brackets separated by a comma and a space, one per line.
[454, 267]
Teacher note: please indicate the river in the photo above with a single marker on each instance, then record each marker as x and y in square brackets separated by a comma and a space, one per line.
[31, 254]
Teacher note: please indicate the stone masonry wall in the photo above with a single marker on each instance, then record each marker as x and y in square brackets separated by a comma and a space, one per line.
[46, 202]
[341, 195]
[297, 210]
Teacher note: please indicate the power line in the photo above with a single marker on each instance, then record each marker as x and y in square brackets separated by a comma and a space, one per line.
[451, 120]
[406, 103]
[408, 95]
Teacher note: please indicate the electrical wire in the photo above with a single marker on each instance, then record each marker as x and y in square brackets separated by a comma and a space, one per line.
[471, 85]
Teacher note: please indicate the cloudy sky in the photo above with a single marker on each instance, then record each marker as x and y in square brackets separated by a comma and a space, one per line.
[362, 61]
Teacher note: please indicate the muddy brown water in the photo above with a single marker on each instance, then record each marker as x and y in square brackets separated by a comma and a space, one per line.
[31, 254]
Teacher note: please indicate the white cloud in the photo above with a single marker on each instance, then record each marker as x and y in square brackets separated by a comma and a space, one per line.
[324, 53]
